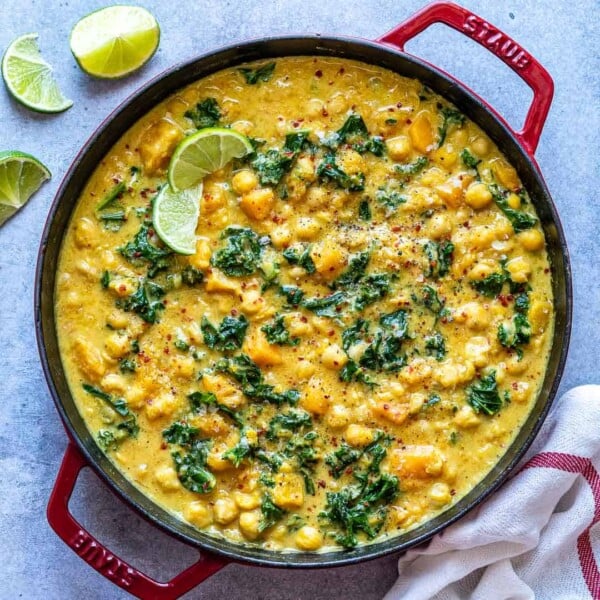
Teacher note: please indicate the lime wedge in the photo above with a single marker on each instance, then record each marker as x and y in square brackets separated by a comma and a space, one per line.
[203, 153]
[115, 41]
[175, 216]
[21, 175]
[28, 77]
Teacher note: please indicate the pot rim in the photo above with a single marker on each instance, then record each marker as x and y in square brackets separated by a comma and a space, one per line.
[324, 45]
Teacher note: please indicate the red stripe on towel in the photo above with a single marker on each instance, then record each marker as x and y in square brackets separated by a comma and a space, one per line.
[578, 464]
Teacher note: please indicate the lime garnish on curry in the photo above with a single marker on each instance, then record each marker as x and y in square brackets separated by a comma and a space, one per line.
[343, 335]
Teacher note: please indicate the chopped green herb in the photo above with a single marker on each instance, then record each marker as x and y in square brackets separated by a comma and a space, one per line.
[439, 256]
[191, 467]
[141, 249]
[205, 114]
[241, 254]
[181, 433]
[364, 210]
[519, 219]
[300, 255]
[113, 194]
[293, 420]
[145, 301]
[435, 345]
[229, 336]
[292, 294]
[105, 279]
[262, 73]
[483, 395]
[244, 370]
[450, 117]
[329, 171]
[469, 160]
[276, 333]
[271, 513]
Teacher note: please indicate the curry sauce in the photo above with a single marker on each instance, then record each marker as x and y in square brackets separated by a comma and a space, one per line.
[360, 334]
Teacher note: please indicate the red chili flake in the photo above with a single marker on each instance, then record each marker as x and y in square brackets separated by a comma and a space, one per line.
[184, 310]
[408, 121]
[116, 180]
[122, 288]
[163, 446]
[331, 332]
[391, 109]
[418, 227]
[295, 124]
[318, 73]
[304, 319]
[342, 71]
[386, 407]
[503, 299]
[324, 113]
[452, 492]
[546, 270]
[234, 311]
[166, 351]
[326, 396]
[280, 118]
[467, 225]
[331, 83]
[169, 336]
[396, 228]
[349, 470]
[165, 302]
[515, 385]
[321, 483]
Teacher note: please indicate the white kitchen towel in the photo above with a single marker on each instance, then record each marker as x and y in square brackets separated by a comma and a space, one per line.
[536, 537]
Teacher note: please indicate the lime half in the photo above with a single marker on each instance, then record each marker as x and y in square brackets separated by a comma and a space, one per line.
[115, 41]
[175, 216]
[21, 175]
[28, 77]
[203, 153]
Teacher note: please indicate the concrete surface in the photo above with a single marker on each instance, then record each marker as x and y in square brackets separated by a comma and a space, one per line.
[34, 563]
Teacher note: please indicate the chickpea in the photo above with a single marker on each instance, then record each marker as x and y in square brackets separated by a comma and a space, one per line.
[244, 181]
[531, 239]
[439, 226]
[198, 513]
[480, 146]
[167, 478]
[250, 523]
[334, 357]
[478, 196]
[439, 494]
[359, 435]
[309, 538]
[225, 511]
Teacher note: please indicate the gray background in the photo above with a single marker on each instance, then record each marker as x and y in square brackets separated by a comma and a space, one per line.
[34, 563]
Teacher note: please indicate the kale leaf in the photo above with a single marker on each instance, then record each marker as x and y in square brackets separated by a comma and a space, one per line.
[354, 132]
[229, 336]
[241, 254]
[262, 73]
[293, 420]
[140, 249]
[292, 294]
[450, 117]
[181, 433]
[191, 467]
[271, 513]
[364, 210]
[326, 306]
[491, 285]
[145, 301]
[483, 395]
[277, 333]
[300, 256]
[354, 272]
[519, 219]
[205, 114]
[410, 169]
[273, 164]
[244, 370]
[435, 345]
[329, 171]
[514, 333]
[469, 160]
[439, 256]
[199, 399]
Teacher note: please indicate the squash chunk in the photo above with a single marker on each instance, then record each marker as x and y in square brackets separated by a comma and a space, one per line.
[329, 259]
[260, 351]
[288, 492]
[157, 145]
[417, 461]
[257, 204]
[421, 132]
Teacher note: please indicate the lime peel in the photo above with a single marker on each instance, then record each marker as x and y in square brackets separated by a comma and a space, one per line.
[21, 175]
[205, 152]
[115, 41]
[28, 77]
[175, 217]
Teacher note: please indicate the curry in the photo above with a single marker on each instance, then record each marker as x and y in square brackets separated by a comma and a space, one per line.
[360, 334]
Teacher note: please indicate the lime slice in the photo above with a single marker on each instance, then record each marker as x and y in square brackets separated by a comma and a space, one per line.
[28, 77]
[175, 216]
[203, 153]
[21, 175]
[115, 41]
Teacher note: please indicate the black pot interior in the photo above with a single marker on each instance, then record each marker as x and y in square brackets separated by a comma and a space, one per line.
[156, 91]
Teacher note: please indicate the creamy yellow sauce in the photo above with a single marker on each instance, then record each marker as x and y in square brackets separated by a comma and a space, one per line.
[427, 236]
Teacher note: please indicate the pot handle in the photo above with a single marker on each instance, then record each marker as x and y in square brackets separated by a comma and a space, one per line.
[499, 44]
[101, 558]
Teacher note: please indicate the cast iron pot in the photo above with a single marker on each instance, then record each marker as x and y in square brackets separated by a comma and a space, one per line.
[386, 52]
